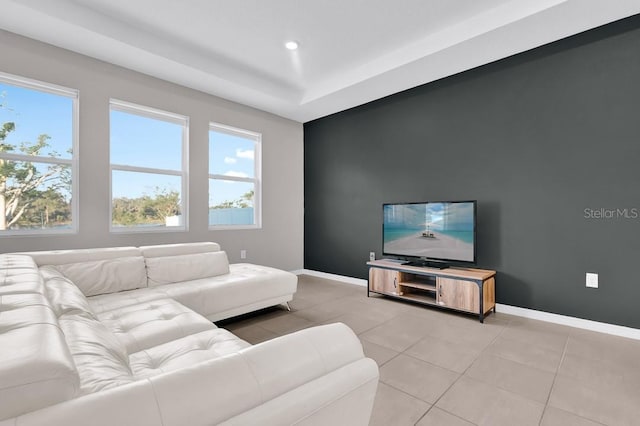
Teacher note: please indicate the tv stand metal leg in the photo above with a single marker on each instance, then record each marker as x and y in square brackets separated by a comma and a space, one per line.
[481, 314]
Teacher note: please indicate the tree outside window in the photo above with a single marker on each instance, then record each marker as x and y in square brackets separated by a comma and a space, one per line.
[148, 168]
[37, 139]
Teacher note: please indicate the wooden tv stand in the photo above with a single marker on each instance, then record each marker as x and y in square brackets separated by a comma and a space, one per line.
[463, 289]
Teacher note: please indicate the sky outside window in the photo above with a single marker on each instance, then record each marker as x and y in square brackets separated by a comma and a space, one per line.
[233, 156]
[136, 184]
[35, 113]
[145, 142]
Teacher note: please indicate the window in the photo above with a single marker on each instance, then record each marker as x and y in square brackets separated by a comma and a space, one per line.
[234, 178]
[148, 169]
[38, 157]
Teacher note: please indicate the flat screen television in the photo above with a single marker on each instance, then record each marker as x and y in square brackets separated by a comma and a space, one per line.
[440, 231]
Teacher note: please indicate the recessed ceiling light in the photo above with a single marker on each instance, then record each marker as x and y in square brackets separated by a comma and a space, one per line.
[291, 45]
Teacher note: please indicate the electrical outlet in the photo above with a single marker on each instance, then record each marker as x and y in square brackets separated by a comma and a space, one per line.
[372, 256]
[243, 254]
[592, 280]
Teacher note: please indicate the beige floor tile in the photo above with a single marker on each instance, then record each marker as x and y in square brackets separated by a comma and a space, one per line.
[556, 417]
[317, 296]
[357, 322]
[602, 374]
[438, 417]
[525, 353]
[450, 355]
[540, 326]
[470, 333]
[378, 353]
[487, 405]
[254, 334]
[597, 382]
[318, 313]
[364, 307]
[286, 324]
[526, 381]
[499, 318]
[548, 341]
[299, 303]
[252, 318]
[604, 347]
[425, 311]
[417, 378]
[394, 407]
[398, 333]
[595, 403]
[389, 304]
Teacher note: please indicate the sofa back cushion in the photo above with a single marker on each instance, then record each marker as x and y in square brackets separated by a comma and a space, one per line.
[101, 359]
[64, 296]
[186, 267]
[36, 369]
[163, 250]
[62, 257]
[106, 276]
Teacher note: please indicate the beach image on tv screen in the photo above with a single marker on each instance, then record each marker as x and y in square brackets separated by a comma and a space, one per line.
[432, 230]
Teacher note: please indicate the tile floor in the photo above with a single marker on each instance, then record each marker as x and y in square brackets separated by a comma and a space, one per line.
[440, 368]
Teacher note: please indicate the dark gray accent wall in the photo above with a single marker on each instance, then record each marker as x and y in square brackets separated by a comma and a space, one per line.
[537, 139]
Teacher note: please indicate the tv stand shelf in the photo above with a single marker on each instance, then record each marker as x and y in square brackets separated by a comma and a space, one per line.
[463, 289]
[419, 285]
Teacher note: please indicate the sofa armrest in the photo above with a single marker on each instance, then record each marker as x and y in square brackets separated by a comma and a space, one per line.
[343, 397]
[256, 375]
[314, 371]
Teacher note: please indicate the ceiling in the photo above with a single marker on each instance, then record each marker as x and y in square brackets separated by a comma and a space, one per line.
[351, 51]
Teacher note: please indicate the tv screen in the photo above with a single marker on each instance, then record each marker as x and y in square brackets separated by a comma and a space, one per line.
[442, 230]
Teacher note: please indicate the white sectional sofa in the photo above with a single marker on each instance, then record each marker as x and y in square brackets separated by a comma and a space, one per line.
[198, 275]
[123, 336]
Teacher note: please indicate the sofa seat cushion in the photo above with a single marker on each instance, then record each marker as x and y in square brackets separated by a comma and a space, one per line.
[246, 284]
[108, 302]
[185, 352]
[100, 358]
[185, 293]
[149, 324]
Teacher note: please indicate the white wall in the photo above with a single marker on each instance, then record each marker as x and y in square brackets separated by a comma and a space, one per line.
[280, 241]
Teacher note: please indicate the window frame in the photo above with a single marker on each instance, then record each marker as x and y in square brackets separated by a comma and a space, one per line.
[155, 114]
[256, 179]
[74, 95]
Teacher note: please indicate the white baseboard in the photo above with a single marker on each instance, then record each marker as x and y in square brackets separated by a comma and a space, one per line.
[601, 327]
[342, 278]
